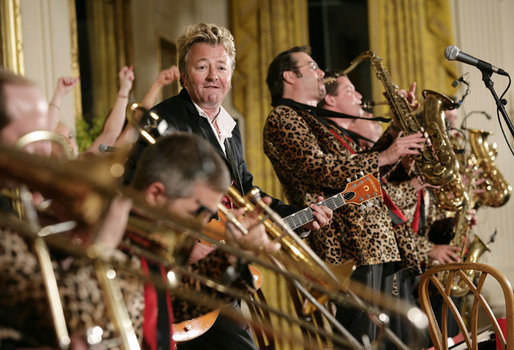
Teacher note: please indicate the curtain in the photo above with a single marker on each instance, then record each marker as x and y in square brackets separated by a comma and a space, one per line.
[11, 46]
[411, 35]
[103, 40]
[262, 29]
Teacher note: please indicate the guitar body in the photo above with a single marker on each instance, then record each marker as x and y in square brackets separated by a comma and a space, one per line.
[190, 329]
[357, 192]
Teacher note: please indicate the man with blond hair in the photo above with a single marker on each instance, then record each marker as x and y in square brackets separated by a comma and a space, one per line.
[206, 62]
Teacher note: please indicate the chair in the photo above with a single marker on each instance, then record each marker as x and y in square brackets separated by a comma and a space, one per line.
[430, 283]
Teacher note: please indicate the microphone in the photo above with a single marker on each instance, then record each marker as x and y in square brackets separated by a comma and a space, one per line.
[460, 80]
[453, 53]
[104, 148]
[484, 113]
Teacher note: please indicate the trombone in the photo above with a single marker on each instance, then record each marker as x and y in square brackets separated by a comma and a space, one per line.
[43, 178]
[311, 270]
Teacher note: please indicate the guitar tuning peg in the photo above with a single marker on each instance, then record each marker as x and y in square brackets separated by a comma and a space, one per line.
[363, 207]
[369, 204]
[361, 173]
[356, 176]
[348, 179]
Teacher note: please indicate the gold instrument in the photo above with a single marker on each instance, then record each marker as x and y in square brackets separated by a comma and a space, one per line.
[462, 231]
[436, 163]
[151, 120]
[496, 188]
[319, 282]
[86, 201]
[307, 272]
[43, 175]
[451, 195]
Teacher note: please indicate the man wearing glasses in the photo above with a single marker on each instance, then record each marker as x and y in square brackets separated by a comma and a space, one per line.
[310, 157]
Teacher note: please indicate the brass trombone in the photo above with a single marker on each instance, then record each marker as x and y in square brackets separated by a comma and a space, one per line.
[311, 270]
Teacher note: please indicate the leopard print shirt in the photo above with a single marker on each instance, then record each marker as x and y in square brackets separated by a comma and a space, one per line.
[310, 161]
[24, 309]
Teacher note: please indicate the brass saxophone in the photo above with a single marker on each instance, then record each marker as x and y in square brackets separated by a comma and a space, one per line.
[437, 163]
[472, 255]
[496, 188]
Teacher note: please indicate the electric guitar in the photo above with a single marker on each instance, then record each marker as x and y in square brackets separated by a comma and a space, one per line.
[357, 192]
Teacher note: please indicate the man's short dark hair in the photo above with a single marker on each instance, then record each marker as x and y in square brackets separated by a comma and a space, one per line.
[179, 161]
[282, 63]
[331, 86]
[8, 78]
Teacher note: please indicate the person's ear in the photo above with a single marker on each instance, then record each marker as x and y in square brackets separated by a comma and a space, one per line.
[330, 100]
[289, 76]
[155, 194]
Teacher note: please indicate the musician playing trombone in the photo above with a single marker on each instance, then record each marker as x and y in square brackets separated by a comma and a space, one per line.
[24, 307]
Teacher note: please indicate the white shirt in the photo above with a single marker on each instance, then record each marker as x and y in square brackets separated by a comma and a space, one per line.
[225, 124]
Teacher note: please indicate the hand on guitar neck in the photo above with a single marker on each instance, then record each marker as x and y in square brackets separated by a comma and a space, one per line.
[321, 216]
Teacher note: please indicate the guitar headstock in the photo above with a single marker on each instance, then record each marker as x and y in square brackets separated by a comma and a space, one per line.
[362, 190]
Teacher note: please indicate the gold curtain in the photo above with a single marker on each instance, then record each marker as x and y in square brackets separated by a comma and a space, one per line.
[106, 29]
[411, 35]
[108, 51]
[262, 29]
[11, 45]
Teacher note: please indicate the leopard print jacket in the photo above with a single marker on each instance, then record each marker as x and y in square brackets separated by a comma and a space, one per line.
[24, 309]
[310, 161]
[414, 247]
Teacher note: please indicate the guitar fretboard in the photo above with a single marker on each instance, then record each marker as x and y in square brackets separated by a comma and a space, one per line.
[305, 216]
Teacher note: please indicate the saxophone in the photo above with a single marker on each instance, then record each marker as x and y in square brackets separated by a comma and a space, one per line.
[496, 189]
[436, 163]
[472, 255]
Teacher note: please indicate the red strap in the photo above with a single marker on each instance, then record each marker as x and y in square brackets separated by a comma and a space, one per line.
[173, 346]
[150, 312]
[387, 199]
[352, 151]
[415, 221]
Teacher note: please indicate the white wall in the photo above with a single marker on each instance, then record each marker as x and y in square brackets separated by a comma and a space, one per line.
[47, 47]
[484, 30]
[167, 18]
[47, 43]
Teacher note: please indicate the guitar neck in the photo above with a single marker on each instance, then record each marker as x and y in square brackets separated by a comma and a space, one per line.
[305, 216]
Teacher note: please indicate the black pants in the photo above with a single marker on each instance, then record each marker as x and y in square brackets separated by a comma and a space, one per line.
[224, 334]
[357, 322]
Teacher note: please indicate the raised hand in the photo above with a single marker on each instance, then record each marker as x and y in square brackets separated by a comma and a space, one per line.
[168, 76]
[126, 77]
[66, 84]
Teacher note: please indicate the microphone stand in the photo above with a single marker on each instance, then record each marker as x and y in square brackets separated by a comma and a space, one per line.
[486, 78]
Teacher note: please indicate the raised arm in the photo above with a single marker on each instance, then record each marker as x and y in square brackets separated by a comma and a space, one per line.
[116, 118]
[130, 135]
[64, 86]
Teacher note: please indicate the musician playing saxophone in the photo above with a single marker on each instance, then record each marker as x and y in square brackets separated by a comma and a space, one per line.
[311, 154]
